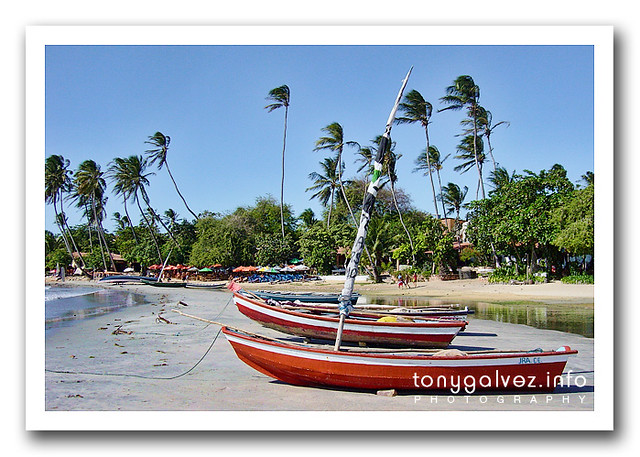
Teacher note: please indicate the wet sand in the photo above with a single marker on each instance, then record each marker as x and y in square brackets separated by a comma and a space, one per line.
[145, 358]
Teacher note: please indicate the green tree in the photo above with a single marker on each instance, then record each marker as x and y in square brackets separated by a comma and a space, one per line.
[325, 184]
[485, 121]
[90, 187]
[57, 181]
[518, 217]
[158, 153]
[453, 197]
[318, 248]
[417, 110]
[130, 180]
[221, 240]
[575, 223]
[273, 250]
[464, 93]
[308, 217]
[280, 97]
[334, 141]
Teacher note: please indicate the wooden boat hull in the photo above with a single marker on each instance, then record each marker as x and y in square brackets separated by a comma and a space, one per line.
[427, 333]
[305, 298]
[191, 285]
[308, 366]
[364, 311]
[125, 278]
[165, 284]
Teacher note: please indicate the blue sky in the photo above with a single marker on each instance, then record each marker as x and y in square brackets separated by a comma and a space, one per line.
[104, 101]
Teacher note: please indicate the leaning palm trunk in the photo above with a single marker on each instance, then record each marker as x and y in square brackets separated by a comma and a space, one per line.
[444, 211]
[73, 241]
[433, 189]
[284, 145]
[126, 211]
[395, 203]
[95, 222]
[64, 238]
[145, 197]
[178, 190]
[475, 151]
[153, 237]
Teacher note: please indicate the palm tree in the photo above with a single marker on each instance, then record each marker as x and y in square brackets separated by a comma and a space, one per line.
[453, 197]
[417, 110]
[389, 166]
[500, 178]
[90, 188]
[471, 157]
[588, 178]
[464, 93]
[432, 161]
[171, 217]
[308, 217]
[57, 181]
[280, 97]
[485, 119]
[130, 179]
[334, 141]
[159, 154]
[325, 184]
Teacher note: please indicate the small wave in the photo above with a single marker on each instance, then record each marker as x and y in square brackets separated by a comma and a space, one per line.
[59, 292]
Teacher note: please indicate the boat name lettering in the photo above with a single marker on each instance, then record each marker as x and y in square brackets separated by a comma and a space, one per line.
[525, 360]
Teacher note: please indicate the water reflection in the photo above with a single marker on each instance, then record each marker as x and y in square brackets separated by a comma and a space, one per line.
[568, 318]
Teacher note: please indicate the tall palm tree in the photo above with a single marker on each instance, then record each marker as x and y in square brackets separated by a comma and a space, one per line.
[90, 188]
[334, 141]
[471, 157]
[280, 97]
[464, 93]
[389, 168]
[431, 161]
[119, 174]
[437, 162]
[57, 180]
[158, 153]
[325, 184]
[486, 128]
[416, 109]
[130, 179]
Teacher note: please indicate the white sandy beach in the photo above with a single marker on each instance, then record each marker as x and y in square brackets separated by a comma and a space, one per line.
[141, 367]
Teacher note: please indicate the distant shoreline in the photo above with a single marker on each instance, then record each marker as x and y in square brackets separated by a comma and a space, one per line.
[479, 289]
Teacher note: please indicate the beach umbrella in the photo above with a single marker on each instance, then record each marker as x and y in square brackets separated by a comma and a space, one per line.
[128, 270]
[205, 270]
[301, 268]
[217, 265]
[193, 269]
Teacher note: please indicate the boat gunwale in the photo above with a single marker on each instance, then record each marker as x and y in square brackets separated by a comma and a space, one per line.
[468, 355]
[454, 323]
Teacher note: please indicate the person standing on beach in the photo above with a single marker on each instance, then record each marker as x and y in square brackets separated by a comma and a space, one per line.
[400, 282]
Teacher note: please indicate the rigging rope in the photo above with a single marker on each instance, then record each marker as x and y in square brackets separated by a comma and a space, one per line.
[130, 375]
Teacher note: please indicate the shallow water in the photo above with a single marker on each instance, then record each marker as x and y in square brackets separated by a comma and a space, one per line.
[570, 318]
[66, 304]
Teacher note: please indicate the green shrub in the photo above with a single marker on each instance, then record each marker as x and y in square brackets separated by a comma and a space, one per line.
[578, 279]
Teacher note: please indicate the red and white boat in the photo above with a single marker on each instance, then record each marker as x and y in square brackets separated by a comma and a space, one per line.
[304, 365]
[419, 333]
